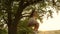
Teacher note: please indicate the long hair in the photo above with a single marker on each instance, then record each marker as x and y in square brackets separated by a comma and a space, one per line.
[31, 15]
[34, 13]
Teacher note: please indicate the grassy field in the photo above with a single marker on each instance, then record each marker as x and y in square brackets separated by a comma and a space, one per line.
[49, 32]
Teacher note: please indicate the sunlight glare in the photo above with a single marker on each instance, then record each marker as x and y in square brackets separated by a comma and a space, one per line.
[51, 23]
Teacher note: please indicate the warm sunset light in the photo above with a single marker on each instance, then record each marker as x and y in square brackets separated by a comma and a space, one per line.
[51, 23]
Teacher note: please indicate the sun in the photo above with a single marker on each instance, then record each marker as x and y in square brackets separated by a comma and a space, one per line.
[50, 24]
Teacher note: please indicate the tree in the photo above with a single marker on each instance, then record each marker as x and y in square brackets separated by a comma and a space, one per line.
[7, 6]
[11, 12]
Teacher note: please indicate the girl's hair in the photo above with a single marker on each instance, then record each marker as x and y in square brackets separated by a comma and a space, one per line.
[34, 13]
[31, 15]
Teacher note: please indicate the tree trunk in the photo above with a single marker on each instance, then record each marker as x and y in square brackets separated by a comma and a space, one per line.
[12, 29]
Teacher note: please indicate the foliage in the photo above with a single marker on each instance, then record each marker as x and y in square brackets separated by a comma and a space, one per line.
[23, 28]
[3, 31]
[12, 11]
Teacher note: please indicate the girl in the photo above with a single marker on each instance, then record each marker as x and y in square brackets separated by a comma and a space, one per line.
[33, 21]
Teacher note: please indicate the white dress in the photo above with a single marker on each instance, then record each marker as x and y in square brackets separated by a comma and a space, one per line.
[33, 22]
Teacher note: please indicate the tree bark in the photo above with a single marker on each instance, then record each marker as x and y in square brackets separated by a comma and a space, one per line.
[12, 29]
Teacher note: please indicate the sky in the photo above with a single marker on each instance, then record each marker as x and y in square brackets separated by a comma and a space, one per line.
[51, 23]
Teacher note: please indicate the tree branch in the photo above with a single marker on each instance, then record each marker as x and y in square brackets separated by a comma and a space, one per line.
[5, 20]
[22, 6]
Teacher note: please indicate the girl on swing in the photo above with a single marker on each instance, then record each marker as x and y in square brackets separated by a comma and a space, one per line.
[33, 21]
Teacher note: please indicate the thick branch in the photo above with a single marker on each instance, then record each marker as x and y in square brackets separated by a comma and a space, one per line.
[8, 6]
[18, 15]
